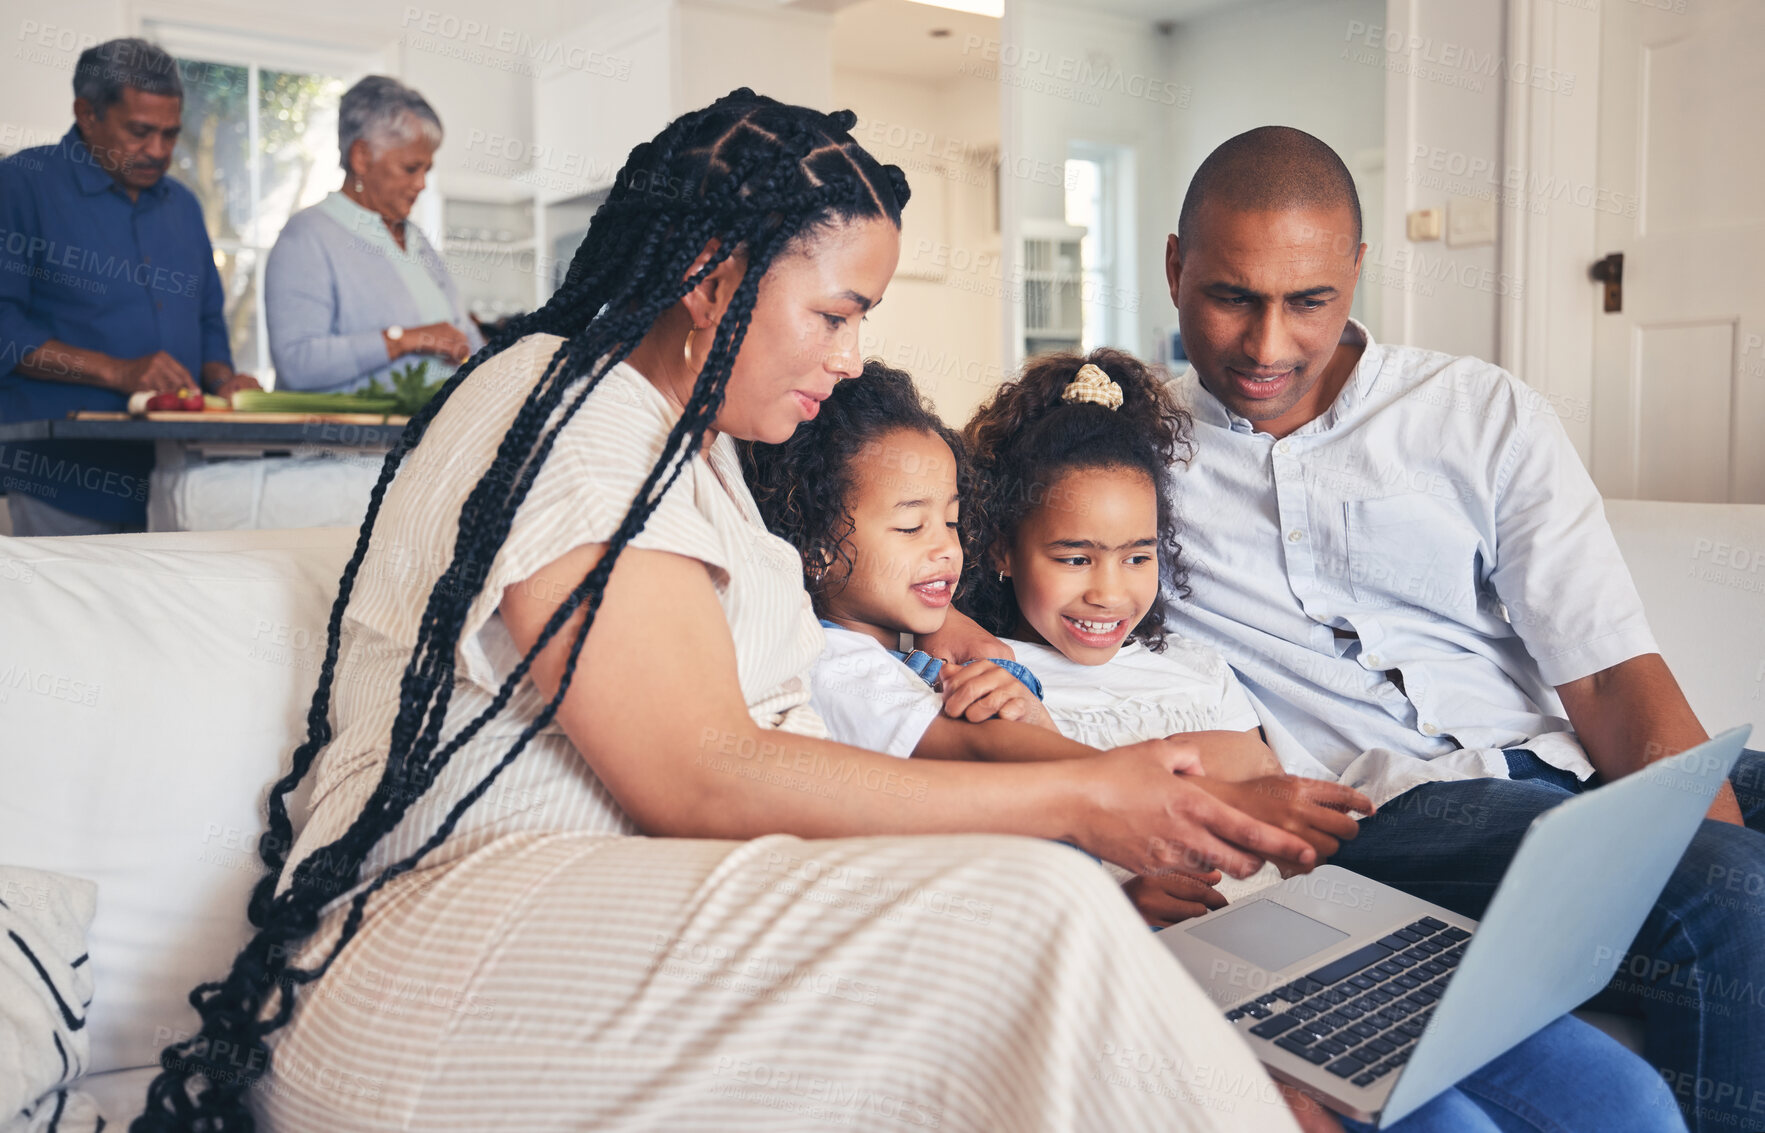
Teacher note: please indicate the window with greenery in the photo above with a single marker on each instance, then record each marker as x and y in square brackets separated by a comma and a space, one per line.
[258, 145]
[1100, 200]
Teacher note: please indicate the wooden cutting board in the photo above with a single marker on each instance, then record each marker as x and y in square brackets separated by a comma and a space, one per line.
[231, 417]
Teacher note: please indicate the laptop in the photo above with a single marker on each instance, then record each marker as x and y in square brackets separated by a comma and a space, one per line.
[1375, 1001]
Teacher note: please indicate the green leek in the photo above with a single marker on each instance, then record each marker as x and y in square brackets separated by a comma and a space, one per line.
[291, 401]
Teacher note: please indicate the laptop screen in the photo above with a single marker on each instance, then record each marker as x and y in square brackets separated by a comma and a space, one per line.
[1267, 934]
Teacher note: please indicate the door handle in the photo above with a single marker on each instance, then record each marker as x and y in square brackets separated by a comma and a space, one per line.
[1610, 271]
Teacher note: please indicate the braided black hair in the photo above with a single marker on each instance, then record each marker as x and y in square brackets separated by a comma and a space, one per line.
[1025, 438]
[749, 172]
[803, 486]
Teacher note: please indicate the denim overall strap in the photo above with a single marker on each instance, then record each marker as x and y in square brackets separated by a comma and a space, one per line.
[926, 667]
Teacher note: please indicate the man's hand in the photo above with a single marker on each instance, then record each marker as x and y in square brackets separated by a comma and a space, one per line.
[1312, 1117]
[231, 385]
[984, 690]
[1313, 809]
[1165, 898]
[158, 372]
[961, 640]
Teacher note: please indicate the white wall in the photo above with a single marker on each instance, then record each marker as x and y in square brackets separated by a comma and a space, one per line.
[940, 320]
[36, 83]
[1448, 73]
[784, 54]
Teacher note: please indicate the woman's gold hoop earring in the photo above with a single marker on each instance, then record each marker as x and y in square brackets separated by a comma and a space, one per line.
[686, 351]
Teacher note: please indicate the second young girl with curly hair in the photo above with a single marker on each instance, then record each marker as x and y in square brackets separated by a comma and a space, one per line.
[1074, 529]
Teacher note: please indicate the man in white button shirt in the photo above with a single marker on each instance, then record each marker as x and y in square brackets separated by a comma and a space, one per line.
[1404, 559]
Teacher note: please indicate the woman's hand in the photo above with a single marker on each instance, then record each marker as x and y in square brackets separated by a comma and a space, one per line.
[1313, 809]
[961, 641]
[1163, 899]
[984, 690]
[1149, 818]
[443, 339]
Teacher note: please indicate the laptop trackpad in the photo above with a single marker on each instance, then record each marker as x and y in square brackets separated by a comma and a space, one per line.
[1267, 934]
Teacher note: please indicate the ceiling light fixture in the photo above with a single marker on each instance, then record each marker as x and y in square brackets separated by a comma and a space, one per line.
[993, 8]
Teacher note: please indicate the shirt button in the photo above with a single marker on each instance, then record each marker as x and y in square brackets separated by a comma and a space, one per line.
[1373, 660]
[1283, 448]
[1429, 730]
[1295, 535]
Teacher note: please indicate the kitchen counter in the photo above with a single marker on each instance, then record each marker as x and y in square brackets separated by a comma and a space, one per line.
[280, 435]
[233, 471]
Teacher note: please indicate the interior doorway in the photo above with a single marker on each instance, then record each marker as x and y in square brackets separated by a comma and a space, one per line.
[1679, 366]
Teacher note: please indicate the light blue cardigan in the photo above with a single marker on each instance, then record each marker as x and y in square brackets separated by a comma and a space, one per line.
[329, 292]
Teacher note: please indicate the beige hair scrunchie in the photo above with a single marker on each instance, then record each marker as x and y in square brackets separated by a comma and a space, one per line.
[1093, 385]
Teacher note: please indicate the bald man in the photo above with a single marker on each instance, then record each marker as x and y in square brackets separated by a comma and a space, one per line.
[1402, 556]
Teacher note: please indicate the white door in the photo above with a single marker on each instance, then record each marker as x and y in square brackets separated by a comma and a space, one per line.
[1679, 371]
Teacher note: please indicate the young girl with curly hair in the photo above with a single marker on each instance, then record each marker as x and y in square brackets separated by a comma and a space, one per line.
[1073, 528]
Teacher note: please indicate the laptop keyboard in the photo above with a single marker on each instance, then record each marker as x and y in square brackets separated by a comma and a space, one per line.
[1359, 1016]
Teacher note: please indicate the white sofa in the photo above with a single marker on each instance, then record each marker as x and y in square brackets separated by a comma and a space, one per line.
[152, 685]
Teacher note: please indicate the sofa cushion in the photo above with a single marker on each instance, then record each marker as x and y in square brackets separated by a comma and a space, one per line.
[1701, 571]
[151, 687]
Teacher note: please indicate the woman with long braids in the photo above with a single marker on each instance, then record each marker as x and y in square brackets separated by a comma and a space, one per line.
[555, 873]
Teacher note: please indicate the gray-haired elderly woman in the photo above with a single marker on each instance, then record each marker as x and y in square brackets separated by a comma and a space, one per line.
[350, 287]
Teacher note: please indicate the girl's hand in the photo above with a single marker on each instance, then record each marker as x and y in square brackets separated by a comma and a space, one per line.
[1179, 750]
[1144, 815]
[1235, 755]
[1313, 809]
[962, 640]
[984, 690]
[1163, 899]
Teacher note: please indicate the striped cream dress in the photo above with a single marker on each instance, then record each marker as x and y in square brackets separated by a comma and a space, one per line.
[548, 968]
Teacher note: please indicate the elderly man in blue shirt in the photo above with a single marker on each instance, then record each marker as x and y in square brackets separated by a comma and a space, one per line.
[1403, 557]
[107, 286]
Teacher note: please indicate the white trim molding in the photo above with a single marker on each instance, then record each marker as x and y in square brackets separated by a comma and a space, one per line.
[1550, 139]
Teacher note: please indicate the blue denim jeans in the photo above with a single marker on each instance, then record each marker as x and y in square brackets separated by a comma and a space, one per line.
[1695, 973]
[1567, 1078]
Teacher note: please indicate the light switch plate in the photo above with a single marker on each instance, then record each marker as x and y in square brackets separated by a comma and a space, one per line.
[1423, 224]
[1470, 221]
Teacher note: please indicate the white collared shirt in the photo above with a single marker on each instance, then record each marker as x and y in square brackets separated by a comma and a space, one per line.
[868, 698]
[1138, 695]
[1402, 582]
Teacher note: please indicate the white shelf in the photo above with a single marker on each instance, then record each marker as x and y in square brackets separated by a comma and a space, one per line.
[485, 247]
